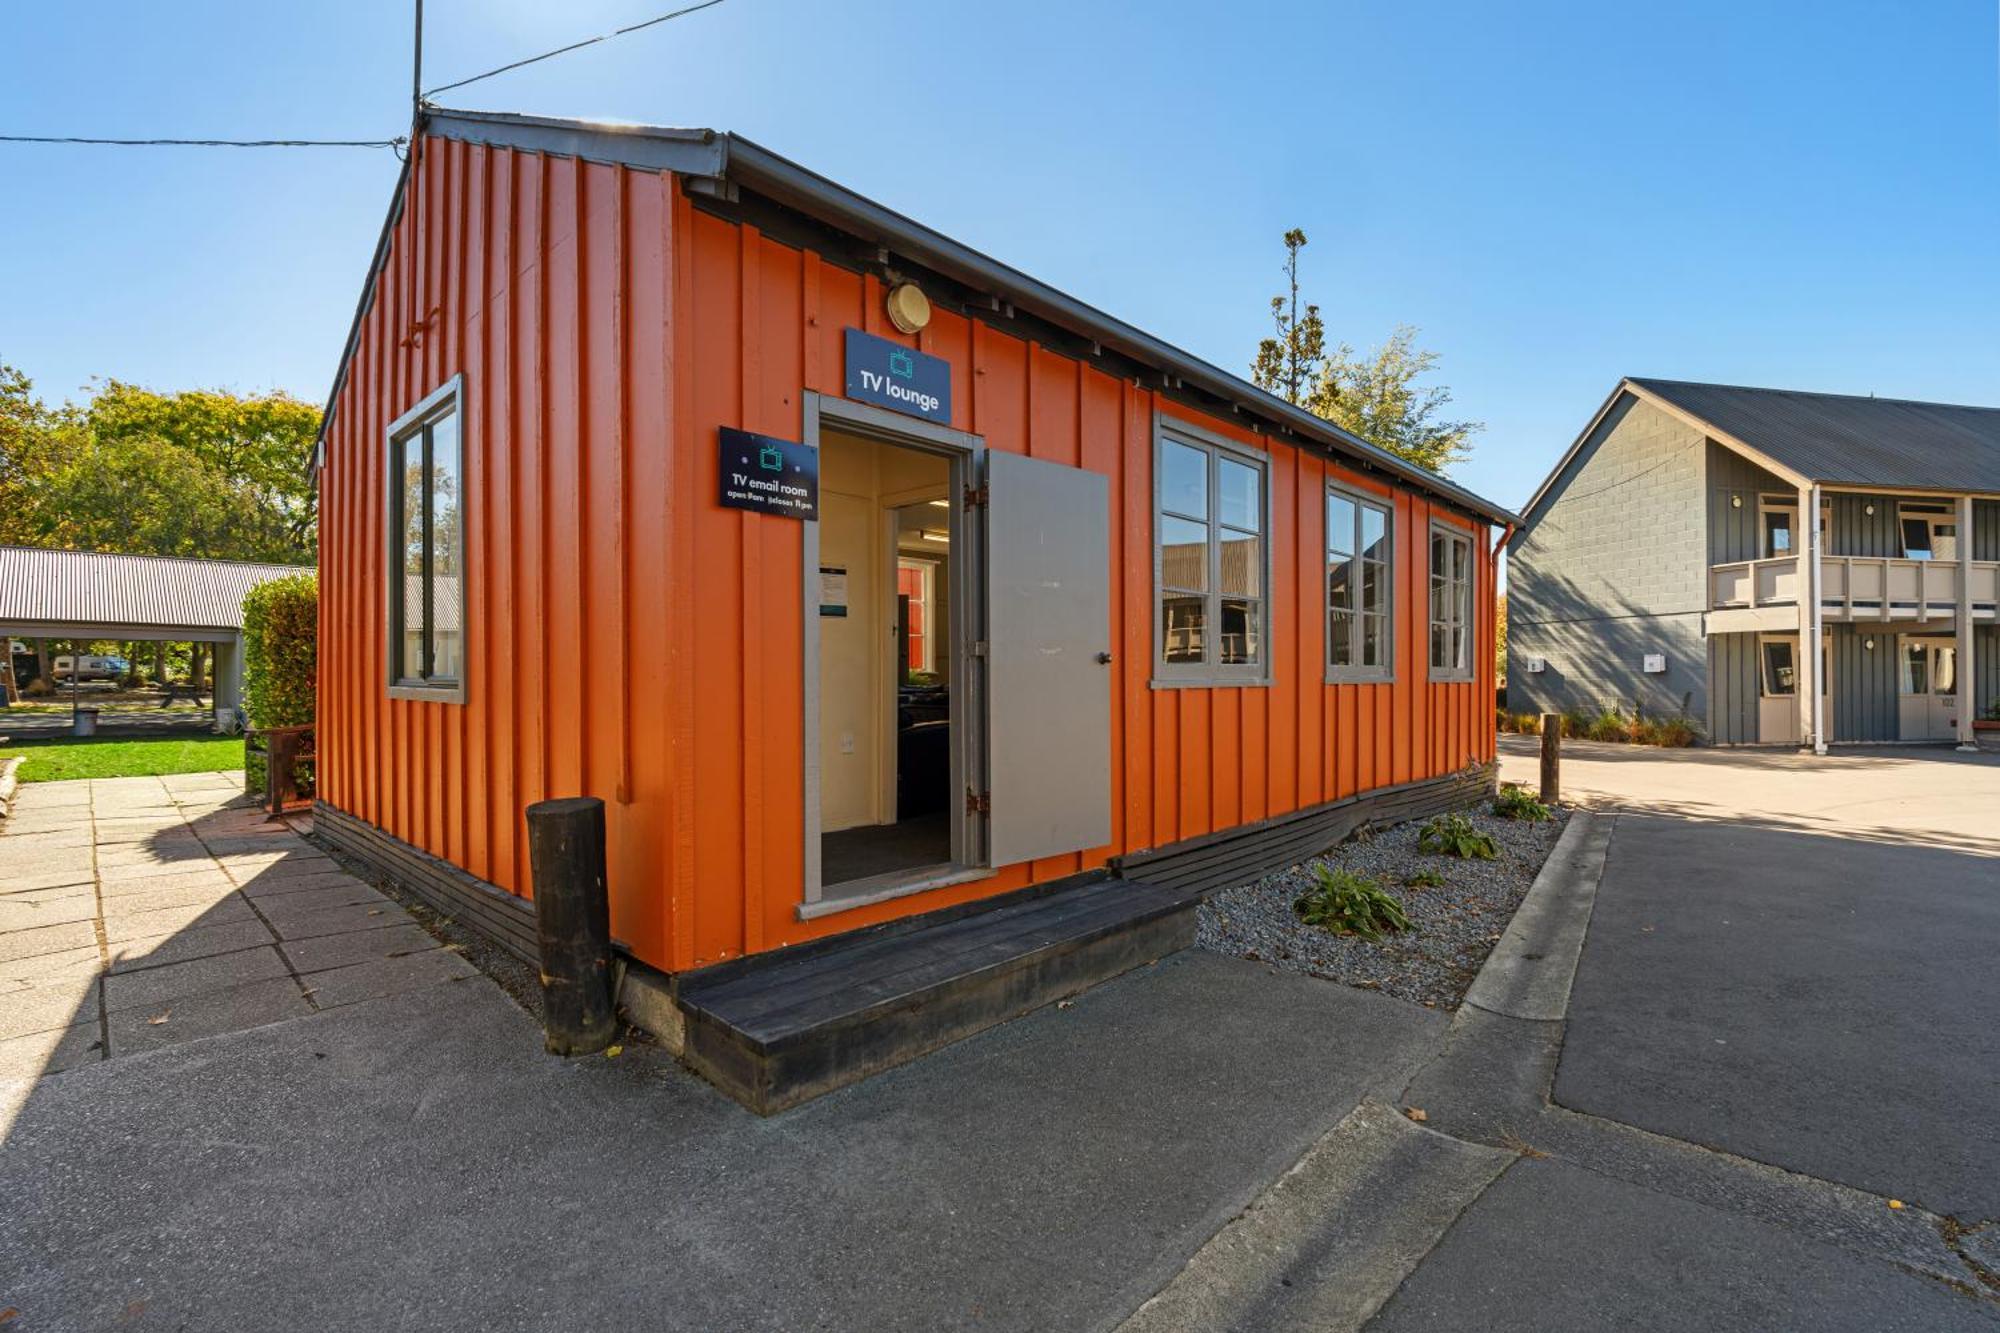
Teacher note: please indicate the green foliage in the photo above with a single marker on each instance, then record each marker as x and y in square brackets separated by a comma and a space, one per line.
[1514, 802]
[280, 658]
[1426, 879]
[198, 473]
[1374, 395]
[1350, 904]
[1500, 639]
[1608, 725]
[1454, 835]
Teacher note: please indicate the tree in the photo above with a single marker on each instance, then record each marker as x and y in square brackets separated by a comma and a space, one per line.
[1375, 396]
[1500, 639]
[198, 473]
[1378, 398]
[1289, 363]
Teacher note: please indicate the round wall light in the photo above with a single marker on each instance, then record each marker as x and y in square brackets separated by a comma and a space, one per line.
[1869, 643]
[1735, 502]
[1868, 508]
[909, 308]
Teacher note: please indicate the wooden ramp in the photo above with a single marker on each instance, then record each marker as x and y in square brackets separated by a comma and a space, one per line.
[777, 1029]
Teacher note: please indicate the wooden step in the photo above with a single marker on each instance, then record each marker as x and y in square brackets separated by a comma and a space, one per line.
[777, 1029]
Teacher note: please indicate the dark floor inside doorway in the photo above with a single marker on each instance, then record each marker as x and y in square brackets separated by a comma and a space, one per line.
[883, 849]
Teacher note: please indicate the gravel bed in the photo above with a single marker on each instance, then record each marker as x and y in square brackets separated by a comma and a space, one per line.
[1453, 926]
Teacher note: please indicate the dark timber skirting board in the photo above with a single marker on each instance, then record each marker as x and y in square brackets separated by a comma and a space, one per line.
[508, 921]
[1235, 856]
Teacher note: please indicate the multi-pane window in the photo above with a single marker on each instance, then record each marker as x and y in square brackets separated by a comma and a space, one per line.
[426, 518]
[1359, 645]
[1451, 604]
[913, 588]
[1211, 552]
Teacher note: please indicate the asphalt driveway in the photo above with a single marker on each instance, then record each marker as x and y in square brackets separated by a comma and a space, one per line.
[1793, 959]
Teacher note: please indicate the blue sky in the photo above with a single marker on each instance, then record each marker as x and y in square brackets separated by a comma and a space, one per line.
[1805, 194]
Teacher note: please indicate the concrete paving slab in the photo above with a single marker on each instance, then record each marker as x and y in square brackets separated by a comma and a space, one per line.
[47, 877]
[123, 874]
[270, 885]
[1828, 1005]
[61, 1004]
[48, 894]
[118, 889]
[386, 976]
[337, 920]
[1552, 1246]
[47, 940]
[41, 1053]
[359, 946]
[280, 907]
[209, 1014]
[181, 893]
[168, 920]
[158, 986]
[44, 969]
[1049, 1174]
[18, 913]
[185, 945]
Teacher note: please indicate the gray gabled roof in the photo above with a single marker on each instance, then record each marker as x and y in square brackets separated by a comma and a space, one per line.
[125, 595]
[1847, 440]
[719, 163]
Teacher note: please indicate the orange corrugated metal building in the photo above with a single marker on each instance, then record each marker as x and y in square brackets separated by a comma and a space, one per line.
[532, 587]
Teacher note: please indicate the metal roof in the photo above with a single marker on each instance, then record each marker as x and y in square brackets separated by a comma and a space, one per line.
[128, 594]
[719, 163]
[1848, 440]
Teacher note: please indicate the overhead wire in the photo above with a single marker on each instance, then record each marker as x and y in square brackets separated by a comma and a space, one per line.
[573, 46]
[204, 143]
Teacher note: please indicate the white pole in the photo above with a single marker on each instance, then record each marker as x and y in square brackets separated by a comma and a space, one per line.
[1818, 627]
[1967, 677]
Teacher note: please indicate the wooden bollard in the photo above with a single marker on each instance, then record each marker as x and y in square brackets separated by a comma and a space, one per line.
[1552, 730]
[573, 923]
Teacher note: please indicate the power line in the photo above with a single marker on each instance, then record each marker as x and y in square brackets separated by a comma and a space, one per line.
[573, 46]
[205, 143]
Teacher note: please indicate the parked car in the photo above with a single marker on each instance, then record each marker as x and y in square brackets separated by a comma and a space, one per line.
[92, 667]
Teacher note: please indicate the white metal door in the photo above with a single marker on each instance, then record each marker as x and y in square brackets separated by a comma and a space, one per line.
[1048, 677]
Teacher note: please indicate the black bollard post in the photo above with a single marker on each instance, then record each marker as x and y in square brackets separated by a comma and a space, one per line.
[573, 920]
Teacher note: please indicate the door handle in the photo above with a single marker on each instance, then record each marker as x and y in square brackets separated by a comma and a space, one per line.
[1104, 659]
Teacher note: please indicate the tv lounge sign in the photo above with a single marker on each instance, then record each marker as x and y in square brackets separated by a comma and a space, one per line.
[899, 378]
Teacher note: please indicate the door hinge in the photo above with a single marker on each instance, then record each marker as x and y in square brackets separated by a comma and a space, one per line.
[978, 802]
[975, 497]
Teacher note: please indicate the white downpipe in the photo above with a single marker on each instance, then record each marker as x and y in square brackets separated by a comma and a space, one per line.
[1817, 621]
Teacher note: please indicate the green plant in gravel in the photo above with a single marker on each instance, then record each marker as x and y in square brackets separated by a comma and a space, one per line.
[1350, 904]
[1425, 879]
[1454, 835]
[1514, 802]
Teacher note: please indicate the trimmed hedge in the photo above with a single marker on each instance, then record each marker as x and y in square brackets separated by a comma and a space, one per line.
[280, 658]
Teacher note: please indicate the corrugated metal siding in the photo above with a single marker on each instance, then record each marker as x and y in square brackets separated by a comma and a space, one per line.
[1986, 658]
[1986, 529]
[606, 328]
[93, 587]
[1863, 685]
[1855, 531]
[1857, 441]
[1732, 528]
[1732, 689]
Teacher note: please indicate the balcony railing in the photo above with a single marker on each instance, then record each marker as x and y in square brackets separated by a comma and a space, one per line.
[1855, 587]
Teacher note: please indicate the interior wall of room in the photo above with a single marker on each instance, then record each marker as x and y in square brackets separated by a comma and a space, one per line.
[859, 480]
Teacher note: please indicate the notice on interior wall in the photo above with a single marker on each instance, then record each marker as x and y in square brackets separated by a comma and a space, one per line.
[833, 590]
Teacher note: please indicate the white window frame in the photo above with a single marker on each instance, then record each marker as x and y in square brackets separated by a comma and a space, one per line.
[1171, 675]
[1356, 672]
[448, 399]
[1461, 611]
[1789, 504]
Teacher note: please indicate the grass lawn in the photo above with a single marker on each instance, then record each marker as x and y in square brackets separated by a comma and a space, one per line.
[63, 757]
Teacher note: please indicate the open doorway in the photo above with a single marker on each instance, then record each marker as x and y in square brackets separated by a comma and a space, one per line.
[887, 664]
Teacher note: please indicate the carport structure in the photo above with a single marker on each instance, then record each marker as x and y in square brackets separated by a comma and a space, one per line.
[86, 595]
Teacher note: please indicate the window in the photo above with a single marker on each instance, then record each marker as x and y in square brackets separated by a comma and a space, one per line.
[426, 526]
[1451, 604]
[1210, 561]
[1778, 515]
[1930, 532]
[913, 587]
[1359, 539]
[1780, 676]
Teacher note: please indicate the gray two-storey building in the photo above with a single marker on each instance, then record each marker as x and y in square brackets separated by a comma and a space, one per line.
[1670, 564]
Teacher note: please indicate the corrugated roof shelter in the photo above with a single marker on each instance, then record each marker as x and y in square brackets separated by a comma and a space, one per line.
[100, 595]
